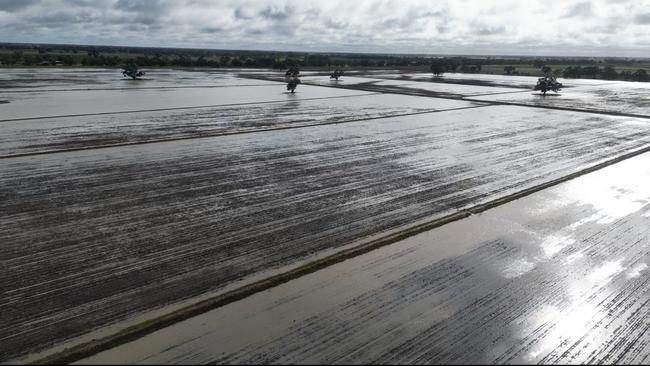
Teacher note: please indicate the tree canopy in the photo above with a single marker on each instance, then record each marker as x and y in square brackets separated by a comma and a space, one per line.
[292, 78]
[509, 70]
[293, 71]
[293, 83]
[336, 74]
[131, 70]
[548, 83]
[438, 67]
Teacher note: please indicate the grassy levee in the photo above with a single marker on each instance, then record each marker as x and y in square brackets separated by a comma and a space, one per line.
[93, 347]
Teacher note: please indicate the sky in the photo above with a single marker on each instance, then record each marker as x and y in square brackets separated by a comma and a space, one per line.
[470, 27]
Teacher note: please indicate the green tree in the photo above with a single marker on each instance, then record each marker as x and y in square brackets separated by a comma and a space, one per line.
[438, 67]
[293, 83]
[509, 70]
[336, 74]
[131, 70]
[608, 73]
[293, 71]
[640, 75]
[548, 83]
[292, 78]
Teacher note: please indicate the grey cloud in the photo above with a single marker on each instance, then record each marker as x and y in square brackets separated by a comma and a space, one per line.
[11, 6]
[212, 30]
[412, 26]
[81, 3]
[488, 30]
[583, 9]
[433, 14]
[411, 19]
[254, 32]
[241, 13]
[312, 13]
[335, 24]
[143, 12]
[642, 18]
[138, 5]
[55, 19]
[276, 13]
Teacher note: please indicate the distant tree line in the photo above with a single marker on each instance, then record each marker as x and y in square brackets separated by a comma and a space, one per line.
[114, 56]
[589, 72]
[607, 73]
[109, 56]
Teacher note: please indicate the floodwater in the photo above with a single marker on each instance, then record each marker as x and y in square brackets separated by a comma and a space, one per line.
[63, 133]
[96, 235]
[450, 89]
[495, 80]
[54, 79]
[65, 103]
[560, 276]
[617, 96]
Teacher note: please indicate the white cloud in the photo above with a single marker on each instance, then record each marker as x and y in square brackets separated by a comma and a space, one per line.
[615, 28]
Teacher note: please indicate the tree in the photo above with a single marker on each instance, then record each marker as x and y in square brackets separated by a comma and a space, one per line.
[546, 70]
[509, 70]
[548, 83]
[293, 71]
[292, 84]
[572, 72]
[626, 75]
[131, 70]
[591, 71]
[539, 63]
[452, 64]
[640, 75]
[336, 74]
[292, 78]
[609, 73]
[438, 67]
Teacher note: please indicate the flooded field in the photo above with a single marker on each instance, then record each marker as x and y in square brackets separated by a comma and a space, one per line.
[623, 97]
[70, 103]
[19, 80]
[524, 82]
[119, 202]
[64, 133]
[557, 277]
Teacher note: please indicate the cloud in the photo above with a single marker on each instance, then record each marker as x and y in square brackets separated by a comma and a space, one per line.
[212, 30]
[598, 27]
[10, 6]
[277, 14]
[488, 30]
[642, 18]
[583, 9]
[242, 13]
[140, 6]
